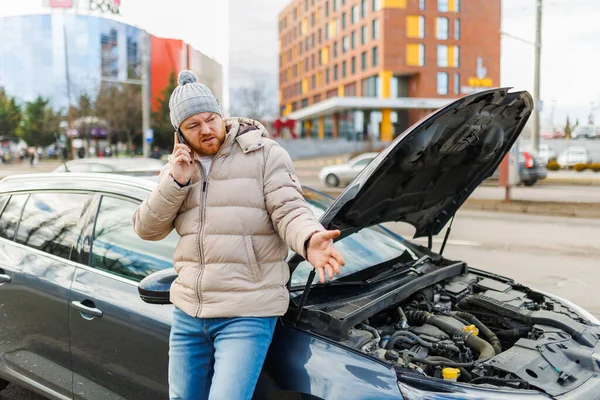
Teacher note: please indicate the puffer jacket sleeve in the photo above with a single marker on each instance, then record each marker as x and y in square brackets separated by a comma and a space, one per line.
[153, 219]
[289, 211]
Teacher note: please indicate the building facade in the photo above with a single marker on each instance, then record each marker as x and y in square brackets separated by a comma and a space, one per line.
[40, 53]
[374, 67]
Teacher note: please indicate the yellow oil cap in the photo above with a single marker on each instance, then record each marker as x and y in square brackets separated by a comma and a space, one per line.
[450, 374]
[471, 329]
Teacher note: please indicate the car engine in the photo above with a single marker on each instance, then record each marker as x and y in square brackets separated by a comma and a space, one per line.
[479, 330]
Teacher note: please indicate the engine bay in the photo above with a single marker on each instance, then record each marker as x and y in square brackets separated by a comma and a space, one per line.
[482, 331]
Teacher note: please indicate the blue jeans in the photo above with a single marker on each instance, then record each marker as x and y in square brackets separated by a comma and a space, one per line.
[217, 358]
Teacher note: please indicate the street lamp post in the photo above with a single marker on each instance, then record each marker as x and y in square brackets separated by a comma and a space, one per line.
[535, 135]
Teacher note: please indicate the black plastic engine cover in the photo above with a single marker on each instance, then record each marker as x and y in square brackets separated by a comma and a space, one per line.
[554, 362]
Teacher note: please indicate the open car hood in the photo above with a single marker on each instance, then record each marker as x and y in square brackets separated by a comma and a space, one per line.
[428, 172]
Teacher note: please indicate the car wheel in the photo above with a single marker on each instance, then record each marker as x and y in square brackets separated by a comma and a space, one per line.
[332, 181]
[3, 384]
[530, 183]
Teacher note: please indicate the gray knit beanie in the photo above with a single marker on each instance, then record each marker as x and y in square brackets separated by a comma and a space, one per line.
[191, 98]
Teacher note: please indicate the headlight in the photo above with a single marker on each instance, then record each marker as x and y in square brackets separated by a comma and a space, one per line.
[441, 390]
[580, 310]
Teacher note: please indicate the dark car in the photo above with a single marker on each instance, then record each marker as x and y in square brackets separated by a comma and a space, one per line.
[531, 169]
[84, 309]
[126, 166]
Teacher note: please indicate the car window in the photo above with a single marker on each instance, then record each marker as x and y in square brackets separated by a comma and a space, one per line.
[117, 249]
[49, 222]
[362, 249]
[363, 163]
[9, 220]
[3, 200]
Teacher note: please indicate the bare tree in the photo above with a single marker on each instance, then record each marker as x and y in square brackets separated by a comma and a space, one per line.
[252, 102]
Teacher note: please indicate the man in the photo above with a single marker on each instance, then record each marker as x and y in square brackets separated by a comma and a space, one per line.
[232, 195]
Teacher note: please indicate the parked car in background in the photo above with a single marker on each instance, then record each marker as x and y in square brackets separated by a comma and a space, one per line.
[574, 155]
[531, 169]
[343, 174]
[544, 154]
[125, 166]
[85, 302]
[585, 132]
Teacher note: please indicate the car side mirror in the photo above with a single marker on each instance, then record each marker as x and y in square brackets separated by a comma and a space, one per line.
[156, 288]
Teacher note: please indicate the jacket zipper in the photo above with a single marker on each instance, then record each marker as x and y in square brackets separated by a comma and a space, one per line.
[203, 196]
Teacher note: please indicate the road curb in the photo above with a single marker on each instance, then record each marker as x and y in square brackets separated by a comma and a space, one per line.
[556, 209]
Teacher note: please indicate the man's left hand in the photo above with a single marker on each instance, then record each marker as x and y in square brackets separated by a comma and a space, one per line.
[322, 254]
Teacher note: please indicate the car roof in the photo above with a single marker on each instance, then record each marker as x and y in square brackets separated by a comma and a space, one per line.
[129, 186]
[138, 162]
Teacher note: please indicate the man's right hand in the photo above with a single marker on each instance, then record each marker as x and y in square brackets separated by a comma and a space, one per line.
[182, 163]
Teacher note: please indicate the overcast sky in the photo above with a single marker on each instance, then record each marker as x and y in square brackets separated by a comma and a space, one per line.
[243, 33]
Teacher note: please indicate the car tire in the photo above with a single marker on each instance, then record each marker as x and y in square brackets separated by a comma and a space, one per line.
[3, 384]
[529, 183]
[332, 180]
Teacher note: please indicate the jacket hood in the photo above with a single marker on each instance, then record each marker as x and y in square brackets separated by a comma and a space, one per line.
[247, 132]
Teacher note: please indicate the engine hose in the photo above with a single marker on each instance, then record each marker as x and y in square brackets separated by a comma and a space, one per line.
[513, 334]
[483, 329]
[478, 345]
[372, 330]
[444, 363]
[398, 335]
[403, 320]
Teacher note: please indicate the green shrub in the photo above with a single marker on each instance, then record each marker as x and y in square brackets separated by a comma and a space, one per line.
[595, 167]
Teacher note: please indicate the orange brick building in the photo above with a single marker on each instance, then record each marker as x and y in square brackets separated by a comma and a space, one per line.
[377, 66]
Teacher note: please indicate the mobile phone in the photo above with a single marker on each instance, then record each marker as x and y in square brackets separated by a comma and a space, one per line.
[180, 137]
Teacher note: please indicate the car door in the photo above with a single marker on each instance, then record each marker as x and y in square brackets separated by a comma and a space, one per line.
[119, 344]
[38, 231]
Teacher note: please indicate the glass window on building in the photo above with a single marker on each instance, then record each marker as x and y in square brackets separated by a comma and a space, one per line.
[456, 5]
[354, 14]
[442, 83]
[307, 44]
[442, 55]
[353, 40]
[109, 55]
[345, 44]
[415, 54]
[353, 66]
[375, 56]
[320, 35]
[441, 24]
[456, 54]
[327, 76]
[363, 8]
[363, 59]
[313, 82]
[375, 28]
[134, 55]
[443, 5]
[312, 61]
[335, 73]
[364, 35]
[415, 26]
[422, 5]
[370, 86]
[343, 69]
[456, 83]
[343, 20]
[327, 9]
[335, 49]
[457, 29]
[336, 5]
[375, 5]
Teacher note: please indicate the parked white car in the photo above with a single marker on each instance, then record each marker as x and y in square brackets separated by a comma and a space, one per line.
[343, 174]
[584, 132]
[574, 155]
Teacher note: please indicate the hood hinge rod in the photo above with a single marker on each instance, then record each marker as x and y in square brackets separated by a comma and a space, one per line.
[447, 235]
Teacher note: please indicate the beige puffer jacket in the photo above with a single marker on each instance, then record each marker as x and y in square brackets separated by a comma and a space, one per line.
[235, 227]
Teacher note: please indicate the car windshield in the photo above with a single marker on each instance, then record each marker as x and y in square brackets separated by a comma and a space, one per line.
[362, 249]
